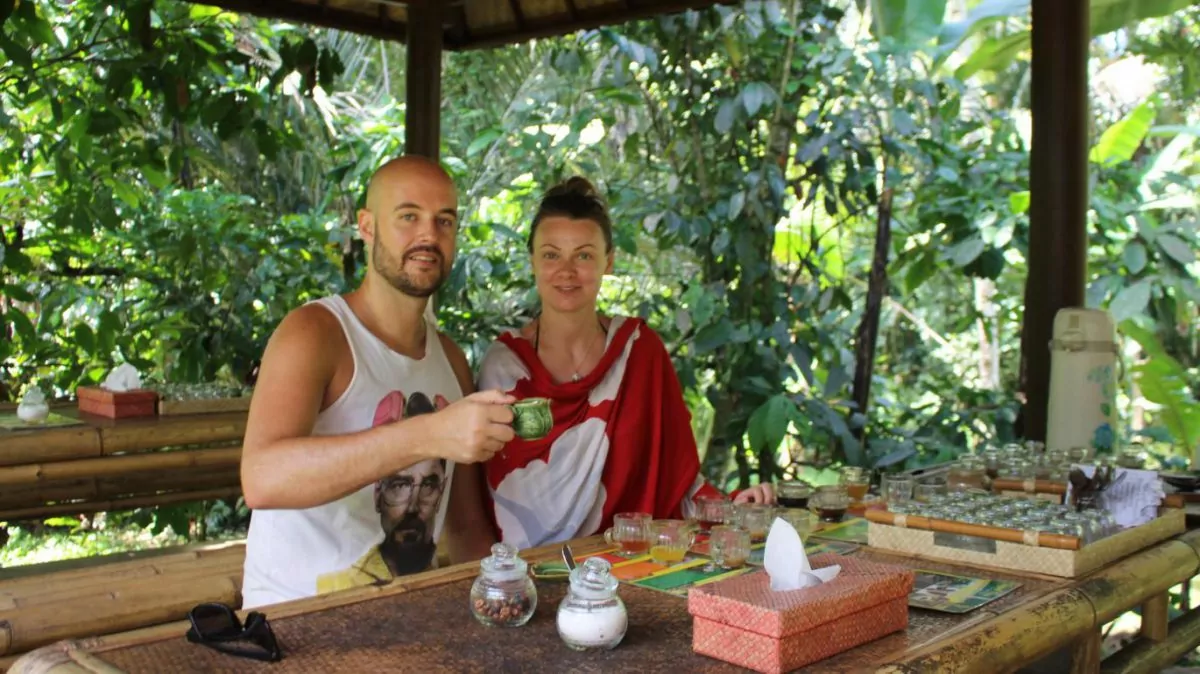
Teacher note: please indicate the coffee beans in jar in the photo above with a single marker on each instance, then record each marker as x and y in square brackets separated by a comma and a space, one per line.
[503, 612]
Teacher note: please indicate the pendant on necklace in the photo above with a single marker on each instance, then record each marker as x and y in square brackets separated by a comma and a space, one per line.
[575, 377]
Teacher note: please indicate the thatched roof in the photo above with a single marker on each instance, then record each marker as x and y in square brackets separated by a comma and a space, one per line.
[467, 23]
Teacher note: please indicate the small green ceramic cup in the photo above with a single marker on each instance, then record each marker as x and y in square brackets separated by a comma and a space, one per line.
[531, 418]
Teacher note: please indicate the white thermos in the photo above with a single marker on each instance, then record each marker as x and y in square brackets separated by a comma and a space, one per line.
[1083, 381]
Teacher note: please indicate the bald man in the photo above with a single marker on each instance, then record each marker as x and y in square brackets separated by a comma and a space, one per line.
[364, 434]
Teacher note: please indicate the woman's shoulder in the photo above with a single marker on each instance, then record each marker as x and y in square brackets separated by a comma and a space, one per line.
[500, 366]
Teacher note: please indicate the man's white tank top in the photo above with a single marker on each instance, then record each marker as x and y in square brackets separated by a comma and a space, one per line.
[383, 530]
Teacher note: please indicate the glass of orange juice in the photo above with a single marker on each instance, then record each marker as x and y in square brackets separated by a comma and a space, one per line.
[856, 481]
[670, 540]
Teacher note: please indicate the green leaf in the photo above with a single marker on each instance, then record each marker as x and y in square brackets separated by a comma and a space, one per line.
[1018, 202]
[21, 324]
[85, 338]
[736, 203]
[1135, 257]
[712, 337]
[965, 252]
[1119, 141]
[15, 52]
[1109, 15]
[1176, 248]
[1130, 301]
[482, 142]
[125, 192]
[726, 115]
[769, 423]
[755, 95]
[908, 22]
[981, 16]
[994, 54]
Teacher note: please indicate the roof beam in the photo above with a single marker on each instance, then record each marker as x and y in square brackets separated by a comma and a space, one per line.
[583, 19]
[319, 15]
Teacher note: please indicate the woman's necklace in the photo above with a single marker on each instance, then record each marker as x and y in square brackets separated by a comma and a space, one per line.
[575, 376]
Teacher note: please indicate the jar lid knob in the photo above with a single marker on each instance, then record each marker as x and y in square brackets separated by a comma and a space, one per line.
[504, 564]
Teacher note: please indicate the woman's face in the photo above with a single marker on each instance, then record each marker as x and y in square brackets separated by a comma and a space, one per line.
[569, 262]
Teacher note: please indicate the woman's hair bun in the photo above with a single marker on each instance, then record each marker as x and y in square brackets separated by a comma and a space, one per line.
[575, 185]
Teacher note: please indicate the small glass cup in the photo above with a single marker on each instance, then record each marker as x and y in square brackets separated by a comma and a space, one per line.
[801, 520]
[670, 540]
[729, 547]
[831, 502]
[1079, 455]
[793, 494]
[856, 482]
[630, 532]
[969, 472]
[1017, 468]
[711, 511]
[992, 459]
[929, 492]
[897, 489]
[755, 518]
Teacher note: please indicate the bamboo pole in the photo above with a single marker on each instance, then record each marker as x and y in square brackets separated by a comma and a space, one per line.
[1038, 539]
[87, 491]
[119, 504]
[1129, 582]
[1145, 656]
[48, 588]
[60, 598]
[119, 465]
[1029, 486]
[120, 566]
[142, 604]
[50, 444]
[142, 434]
[1010, 641]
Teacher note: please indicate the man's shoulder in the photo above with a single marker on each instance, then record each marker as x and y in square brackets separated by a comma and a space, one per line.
[309, 322]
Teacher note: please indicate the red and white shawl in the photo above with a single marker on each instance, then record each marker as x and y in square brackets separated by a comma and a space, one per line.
[621, 442]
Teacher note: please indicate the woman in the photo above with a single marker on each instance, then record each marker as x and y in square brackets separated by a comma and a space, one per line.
[622, 440]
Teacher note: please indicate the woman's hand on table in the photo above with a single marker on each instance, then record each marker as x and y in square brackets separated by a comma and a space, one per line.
[759, 493]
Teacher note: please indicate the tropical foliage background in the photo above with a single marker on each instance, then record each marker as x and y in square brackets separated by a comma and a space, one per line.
[174, 179]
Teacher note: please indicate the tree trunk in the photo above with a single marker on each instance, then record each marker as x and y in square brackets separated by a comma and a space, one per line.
[868, 329]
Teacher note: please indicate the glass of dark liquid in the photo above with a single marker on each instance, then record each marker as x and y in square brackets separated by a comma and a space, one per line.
[712, 511]
[793, 494]
[831, 502]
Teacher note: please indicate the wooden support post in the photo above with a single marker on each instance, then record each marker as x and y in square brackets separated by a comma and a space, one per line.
[1085, 654]
[1155, 617]
[1058, 184]
[423, 100]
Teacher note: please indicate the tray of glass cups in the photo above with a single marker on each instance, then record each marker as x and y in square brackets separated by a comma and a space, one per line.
[978, 527]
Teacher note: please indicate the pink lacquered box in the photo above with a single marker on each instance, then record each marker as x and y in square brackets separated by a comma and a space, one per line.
[742, 621]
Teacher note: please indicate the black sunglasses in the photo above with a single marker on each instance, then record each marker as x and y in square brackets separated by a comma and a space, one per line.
[218, 627]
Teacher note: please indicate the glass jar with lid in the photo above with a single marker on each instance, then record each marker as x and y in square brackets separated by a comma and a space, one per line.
[592, 616]
[503, 595]
[969, 472]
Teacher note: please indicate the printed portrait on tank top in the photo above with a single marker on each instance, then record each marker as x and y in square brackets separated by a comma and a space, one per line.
[407, 503]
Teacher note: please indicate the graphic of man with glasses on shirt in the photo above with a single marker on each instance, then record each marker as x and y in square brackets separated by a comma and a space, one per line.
[407, 503]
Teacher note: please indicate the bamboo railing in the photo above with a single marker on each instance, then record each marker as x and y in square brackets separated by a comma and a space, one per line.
[106, 464]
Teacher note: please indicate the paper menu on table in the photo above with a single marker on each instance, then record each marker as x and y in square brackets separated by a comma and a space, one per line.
[1133, 500]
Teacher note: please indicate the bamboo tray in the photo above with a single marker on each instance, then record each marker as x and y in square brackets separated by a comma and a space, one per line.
[203, 406]
[1045, 554]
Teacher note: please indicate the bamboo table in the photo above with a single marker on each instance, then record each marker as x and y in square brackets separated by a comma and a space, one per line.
[422, 622]
[105, 464]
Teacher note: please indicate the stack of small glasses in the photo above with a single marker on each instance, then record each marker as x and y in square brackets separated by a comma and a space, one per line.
[977, 507]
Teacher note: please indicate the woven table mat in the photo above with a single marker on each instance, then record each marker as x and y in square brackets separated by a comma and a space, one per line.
[433, 630]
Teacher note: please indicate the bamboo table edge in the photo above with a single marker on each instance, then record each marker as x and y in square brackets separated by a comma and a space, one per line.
[1068, 608]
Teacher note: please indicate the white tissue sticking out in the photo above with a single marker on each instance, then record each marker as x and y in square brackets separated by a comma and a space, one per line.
[124, 378]
[787, 562]
[34, 396]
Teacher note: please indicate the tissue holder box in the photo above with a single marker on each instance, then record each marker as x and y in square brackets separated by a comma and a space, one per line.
[742, 621]
[117, 404]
